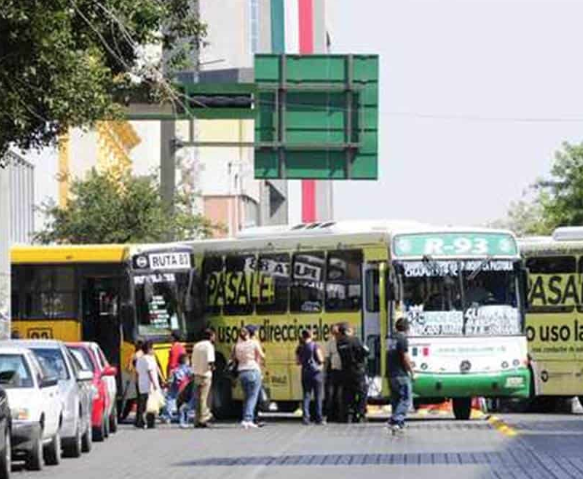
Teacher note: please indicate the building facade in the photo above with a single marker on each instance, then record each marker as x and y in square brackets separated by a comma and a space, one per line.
[22, 198]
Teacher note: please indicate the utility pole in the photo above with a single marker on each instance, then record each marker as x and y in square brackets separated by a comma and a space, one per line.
[5, 276]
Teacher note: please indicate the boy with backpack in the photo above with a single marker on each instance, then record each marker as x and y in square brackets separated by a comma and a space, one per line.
[310, 357]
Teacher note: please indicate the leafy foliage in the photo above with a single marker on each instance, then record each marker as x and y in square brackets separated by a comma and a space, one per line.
[107, 210]
[558, 200]
[62, 62]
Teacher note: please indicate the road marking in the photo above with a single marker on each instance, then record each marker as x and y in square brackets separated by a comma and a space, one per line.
[502, 426]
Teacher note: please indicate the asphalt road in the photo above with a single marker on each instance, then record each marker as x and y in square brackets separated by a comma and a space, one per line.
[434, 446]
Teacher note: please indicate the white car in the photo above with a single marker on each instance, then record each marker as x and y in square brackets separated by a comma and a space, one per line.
[35, 404]
[74, 390]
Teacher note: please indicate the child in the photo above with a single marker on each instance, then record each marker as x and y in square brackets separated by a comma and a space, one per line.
[181, 378]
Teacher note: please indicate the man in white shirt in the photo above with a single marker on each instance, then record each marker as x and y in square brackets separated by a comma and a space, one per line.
[203, 364]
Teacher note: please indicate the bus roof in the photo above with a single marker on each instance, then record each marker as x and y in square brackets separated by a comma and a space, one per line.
[26, 254]
[325, 234]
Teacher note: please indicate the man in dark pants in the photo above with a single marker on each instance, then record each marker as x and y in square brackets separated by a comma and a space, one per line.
[353, 357]
[309, 356]
[333, 376]
[400, 376]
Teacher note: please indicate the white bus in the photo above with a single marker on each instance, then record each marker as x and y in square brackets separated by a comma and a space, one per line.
[460, 288]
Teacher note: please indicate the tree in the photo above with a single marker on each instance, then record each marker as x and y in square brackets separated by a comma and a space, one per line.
[524, 218]
[103, 209]
[561, 196]
[69, 63]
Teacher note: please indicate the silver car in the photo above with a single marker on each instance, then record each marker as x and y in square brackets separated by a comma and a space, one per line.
[74, 390]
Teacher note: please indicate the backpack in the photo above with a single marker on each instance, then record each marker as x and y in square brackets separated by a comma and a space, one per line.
[310, 364]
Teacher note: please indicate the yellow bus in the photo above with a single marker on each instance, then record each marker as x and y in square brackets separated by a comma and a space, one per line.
[110, 294]
[284, 279]
[554, 325]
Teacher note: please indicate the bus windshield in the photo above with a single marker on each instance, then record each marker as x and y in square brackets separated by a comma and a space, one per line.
[160, 303]
[457, 298]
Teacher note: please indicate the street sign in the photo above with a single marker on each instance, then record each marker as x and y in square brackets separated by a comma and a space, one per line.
[318, 117]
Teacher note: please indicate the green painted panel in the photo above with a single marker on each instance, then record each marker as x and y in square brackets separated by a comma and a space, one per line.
[454, 244]
[325, 106]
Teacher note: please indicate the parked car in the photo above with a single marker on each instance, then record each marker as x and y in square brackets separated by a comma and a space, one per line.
[102, 401]
[74, 390]
[111, 381]
[36, 408]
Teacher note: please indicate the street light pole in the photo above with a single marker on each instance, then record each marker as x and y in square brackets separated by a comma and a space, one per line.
[5, 277]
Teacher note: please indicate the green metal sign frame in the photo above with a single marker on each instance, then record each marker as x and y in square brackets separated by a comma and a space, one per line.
[318, 117]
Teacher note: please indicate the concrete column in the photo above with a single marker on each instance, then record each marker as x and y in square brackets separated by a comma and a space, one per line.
[4, 252]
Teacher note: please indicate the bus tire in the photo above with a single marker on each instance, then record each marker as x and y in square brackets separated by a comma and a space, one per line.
[288, 406]
[223, 406]
[113, 421]
[462, 408]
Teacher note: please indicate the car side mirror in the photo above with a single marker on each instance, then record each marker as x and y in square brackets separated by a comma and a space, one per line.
[49, 381]
[109, 371]
[84, 375]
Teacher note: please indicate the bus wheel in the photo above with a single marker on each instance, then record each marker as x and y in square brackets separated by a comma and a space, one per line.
[222, 402]
[462, 408]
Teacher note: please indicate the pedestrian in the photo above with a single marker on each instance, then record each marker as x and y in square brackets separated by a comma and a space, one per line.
[353, 356]
[148, 383]
[333, 379]
[310, 357]
[248, 354]
[176, 350]
[181, 376]
[262, 393]
[401, 376]
[203, 365]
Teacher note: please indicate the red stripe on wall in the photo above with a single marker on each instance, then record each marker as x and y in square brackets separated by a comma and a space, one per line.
[306, 22]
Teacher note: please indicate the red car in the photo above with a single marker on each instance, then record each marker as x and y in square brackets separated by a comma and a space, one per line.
[85, 353]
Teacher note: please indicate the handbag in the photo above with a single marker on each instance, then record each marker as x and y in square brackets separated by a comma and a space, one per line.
[232, 368]
[155, 402]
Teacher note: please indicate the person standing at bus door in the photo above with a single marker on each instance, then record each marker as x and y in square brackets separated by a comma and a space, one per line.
[203, 364]
[353, 358]
[248, 354]
[401, 376]
[309, 356]
[147, 370]
[176, 350]
[333, 379]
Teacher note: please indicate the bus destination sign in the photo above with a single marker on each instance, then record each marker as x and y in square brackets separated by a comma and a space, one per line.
[163, 261]
[454, 244]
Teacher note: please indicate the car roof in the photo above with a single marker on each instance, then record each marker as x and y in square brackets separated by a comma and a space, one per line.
[7, 348]
[39, 343]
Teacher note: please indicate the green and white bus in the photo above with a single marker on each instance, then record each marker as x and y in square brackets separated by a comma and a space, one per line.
[460, 288]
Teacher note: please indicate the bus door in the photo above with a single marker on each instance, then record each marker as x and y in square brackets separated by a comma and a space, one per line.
[371, 331]
[101, 322]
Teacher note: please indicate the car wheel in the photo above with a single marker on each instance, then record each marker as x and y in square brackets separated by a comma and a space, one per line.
[99, 432]
[34, 459]
[462, 408]
[113, 421]
[73, 446]
[106, 427]
[53, 451]
[6, 456]
[87, 439]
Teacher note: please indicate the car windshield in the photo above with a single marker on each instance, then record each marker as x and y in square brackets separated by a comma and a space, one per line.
[14, 372]
[53, 361]
[160, 303]
[444, 298]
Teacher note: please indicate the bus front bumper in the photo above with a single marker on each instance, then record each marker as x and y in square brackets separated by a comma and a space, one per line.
[513, 383]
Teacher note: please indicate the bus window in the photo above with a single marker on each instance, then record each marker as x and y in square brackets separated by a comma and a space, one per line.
[212, 272]
[14, 296]
[274, 269]
[307, 287]
[50, 292]
[552, 284]
[372, 291]
[344, 282]
[239, 279]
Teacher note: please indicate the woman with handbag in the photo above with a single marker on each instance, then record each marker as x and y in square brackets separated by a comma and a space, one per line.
[150, 398]
[248, 355]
